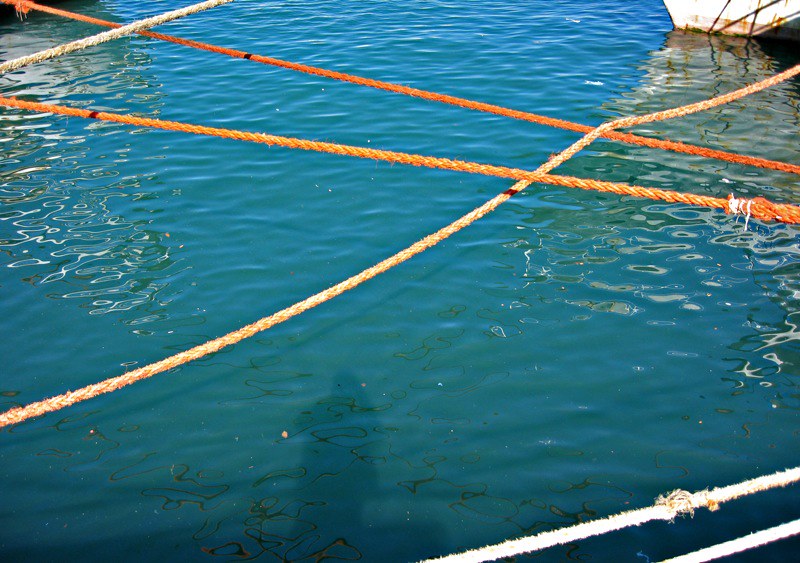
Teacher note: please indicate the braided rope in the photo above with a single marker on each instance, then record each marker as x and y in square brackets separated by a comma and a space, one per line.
[433, 96]
[665, 508]
[759, 207]
[756, 539]
[788, 213]
[80, 44]
[19, 414]
[672, 113]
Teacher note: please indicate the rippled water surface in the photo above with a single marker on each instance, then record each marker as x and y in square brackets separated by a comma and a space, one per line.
[569, 356]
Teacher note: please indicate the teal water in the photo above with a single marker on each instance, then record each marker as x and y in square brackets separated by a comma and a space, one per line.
[570, 356]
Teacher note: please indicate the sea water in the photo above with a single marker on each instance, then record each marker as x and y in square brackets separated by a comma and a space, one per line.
[570, 356]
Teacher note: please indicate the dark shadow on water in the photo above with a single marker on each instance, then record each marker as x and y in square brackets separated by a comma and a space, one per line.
[339, 501]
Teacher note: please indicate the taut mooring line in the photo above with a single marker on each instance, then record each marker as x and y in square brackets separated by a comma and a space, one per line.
[122, 31]
[629, 138]
[665, 508]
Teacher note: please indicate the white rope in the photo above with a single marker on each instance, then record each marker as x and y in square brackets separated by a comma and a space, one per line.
[665, 508]
[738, 545]
[108, 35]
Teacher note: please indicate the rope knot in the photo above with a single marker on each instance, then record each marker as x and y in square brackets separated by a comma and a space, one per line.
[741, 205]
[738, 205]
[760, 208]
[678, 502]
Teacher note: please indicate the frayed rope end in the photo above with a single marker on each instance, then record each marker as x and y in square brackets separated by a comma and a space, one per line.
[682, 502]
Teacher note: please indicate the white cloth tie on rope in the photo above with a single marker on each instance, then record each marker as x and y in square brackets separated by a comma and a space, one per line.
[80, 44]
[740, 205]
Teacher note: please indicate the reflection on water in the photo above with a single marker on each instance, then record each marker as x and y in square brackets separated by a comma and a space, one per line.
[693, 67]
[76, 219]
[572, 356]
[670, 255]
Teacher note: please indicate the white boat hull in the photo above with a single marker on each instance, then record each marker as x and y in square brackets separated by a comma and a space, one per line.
[766, 18]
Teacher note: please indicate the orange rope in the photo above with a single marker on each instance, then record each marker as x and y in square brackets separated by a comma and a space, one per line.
[433, 96]
[673, 112]
[759, 208]
[22, 413]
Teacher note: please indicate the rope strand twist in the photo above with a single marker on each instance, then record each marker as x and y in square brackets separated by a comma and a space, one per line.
[87, 42]
[666, 507]
[436, 97]
[788, 214]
